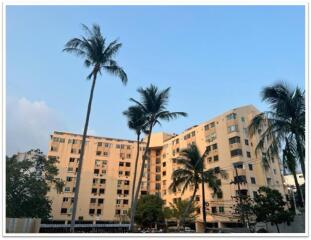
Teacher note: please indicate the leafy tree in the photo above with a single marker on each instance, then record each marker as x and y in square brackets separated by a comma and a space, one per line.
[191, 173]
[153, 104]
[99, 56]
[27, 184]
[269, 206]
[179, 210]
[243, 207]
[136, 122]
[286, 119]
[149, 211]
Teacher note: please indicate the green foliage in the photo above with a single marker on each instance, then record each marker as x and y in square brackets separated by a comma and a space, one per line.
[27, 183]
[96, 52]
[286, 119]
[180, 209]
[243, 207]
[149, 211]
[269, 206]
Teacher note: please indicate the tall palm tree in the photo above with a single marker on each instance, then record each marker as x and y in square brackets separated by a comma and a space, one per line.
[289, 162]
[136, 122]
[285, 119]
[99, 57]
[191, 174]
[153, 104]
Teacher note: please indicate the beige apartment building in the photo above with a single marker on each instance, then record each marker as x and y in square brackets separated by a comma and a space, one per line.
[107, 172]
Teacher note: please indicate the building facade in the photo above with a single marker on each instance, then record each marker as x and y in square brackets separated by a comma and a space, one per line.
[107, 171]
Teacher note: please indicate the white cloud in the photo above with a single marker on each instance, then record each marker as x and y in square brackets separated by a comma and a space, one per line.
[29, 125]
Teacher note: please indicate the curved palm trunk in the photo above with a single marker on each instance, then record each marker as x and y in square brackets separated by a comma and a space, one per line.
[301, 155]
[182, 220]
[203, 204]
[300, 196]
[141, 176]
[77, 185]
[134, 182]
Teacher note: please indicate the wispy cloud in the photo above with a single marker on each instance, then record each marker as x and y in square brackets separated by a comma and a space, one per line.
[29, 124]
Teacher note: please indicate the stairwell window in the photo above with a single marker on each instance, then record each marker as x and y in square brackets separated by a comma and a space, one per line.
[232, 128]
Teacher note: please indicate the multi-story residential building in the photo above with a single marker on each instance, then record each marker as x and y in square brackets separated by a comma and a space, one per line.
[107, 172]
[106, 177]
[230, 148]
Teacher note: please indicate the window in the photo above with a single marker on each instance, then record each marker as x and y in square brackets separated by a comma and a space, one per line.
[99, 211]
[128, 164]
[68, 179]
[246, 142]
[158, 186]
[102, 181]
[120, 172]
[250, 167]
[236, 152]
[221, 209]
[158, 169]
[63, 210]
[248, 154]
[214, 146]
[118, 201]
[93, 200]
[126, 182]
[242, 119]
[197, 198]
[94, 190]
[98, 153]
[206, 127]
[105, 153]
[96, 171]
[219, 195]
[274, 171]
[234, 140]
[127, 173]
[118, 146]
[158, 160]
[164, 182]
[193, 134]
[99, 144]
[210, 159]
[67, 189]
[158, 177]
[231, 116]
[253, 180]
[70, 169]
[101, 191]
[125, 202]
[233, 128]
[94, 180]
[164, 164]
[164, 173]
[119, 191]
[214, 210]
[65, 199]
[212, 124]
[91, 211]
[118, 211]
[100, 201]
[216, 158]
[255, 194]
[121, 164]
[71, 160]
[126, 192]
[128, 155]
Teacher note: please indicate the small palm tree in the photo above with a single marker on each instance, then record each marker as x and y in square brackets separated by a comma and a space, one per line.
[136, 122]
[289, 162]
[99, 57]
[180, 210]
[192, 173]
[154, 107]
[285, 119]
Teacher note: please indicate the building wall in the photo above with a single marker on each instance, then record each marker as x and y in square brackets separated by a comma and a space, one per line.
[164, 148]
[210, 133]
[101, 161]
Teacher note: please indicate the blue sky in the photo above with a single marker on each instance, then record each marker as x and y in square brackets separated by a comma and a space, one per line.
[214, 58]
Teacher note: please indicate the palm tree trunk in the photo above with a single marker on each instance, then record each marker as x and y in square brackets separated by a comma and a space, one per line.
[141, 174]
[301, 155]
[134, 181]
[300, 196]
[182, 220]
[277, 227]
[203, 203]
[77, 185]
